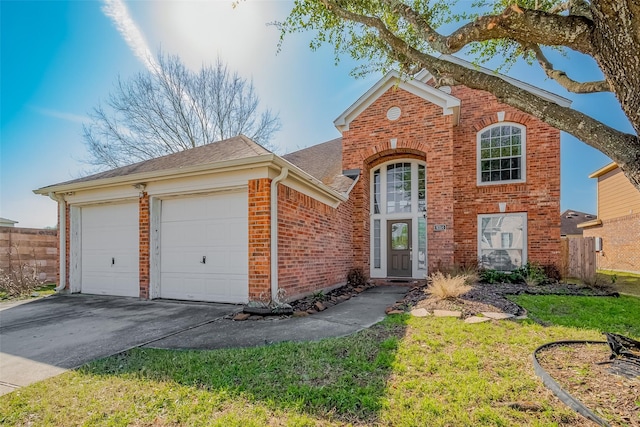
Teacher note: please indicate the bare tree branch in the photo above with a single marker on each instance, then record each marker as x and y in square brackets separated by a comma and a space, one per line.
[173, 109]
[564, 80]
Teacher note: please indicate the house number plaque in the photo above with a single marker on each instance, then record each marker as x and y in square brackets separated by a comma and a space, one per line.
[439, 227]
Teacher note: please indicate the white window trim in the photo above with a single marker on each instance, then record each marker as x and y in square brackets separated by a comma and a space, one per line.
[523, 155]
[384, 217]
[525, 233]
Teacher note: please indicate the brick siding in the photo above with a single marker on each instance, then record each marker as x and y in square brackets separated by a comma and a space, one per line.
[314, 243]
[144, 244]
[453, 196]
[259, 198]
[620, 243]
[539, 196]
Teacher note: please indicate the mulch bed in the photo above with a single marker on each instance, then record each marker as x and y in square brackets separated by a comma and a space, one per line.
[579, 370]
[492, 297]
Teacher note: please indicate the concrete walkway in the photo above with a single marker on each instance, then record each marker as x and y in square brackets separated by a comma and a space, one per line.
[45, 337]
[353, 315]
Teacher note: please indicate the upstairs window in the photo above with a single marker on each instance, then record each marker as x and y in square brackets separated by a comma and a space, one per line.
[501, 151]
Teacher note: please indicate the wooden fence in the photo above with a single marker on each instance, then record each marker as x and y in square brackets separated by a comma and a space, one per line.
[31, 246]
[578, 258]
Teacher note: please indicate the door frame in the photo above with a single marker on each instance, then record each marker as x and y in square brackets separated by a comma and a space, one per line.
[417, 217]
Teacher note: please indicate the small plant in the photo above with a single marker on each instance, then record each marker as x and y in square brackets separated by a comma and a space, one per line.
[470, 270]
[533, 274]
[356, 278]
[552, 272]
[22, 277]
[318, 296]
[446, 286]
[614, 279]
[494, 276]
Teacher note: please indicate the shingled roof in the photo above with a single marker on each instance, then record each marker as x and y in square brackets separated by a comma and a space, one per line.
[324, 162]
[238, 147]
[569, 222]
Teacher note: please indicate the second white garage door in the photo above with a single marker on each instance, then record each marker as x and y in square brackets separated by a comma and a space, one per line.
[204, 248]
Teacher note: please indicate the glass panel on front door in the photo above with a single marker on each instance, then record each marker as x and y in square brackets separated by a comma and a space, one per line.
[399, 253]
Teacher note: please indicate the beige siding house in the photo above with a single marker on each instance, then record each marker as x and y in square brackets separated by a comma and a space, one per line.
[618, 221]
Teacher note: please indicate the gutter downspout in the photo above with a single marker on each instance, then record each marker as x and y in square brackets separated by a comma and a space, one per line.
[274, 234]
[62, 235]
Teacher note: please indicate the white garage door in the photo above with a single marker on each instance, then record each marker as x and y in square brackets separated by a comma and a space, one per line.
[110, 255]
[204, 248]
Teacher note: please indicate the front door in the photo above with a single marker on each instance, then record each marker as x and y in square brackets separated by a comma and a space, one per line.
[399, 248]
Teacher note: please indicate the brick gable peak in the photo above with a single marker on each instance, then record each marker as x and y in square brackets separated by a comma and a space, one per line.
[450, 105]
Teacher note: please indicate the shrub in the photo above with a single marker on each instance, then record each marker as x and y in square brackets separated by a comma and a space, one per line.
[445, 286]
[552, 272]
[22, 277]
[494, 276]
[470, 270]
[356, 278]
[533, 274]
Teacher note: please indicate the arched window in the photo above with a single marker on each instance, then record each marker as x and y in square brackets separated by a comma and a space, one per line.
[501, 154]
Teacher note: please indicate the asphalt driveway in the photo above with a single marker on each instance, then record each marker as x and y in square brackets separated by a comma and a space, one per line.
[43, 338]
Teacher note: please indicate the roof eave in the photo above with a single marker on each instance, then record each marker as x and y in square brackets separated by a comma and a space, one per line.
[603, 170]
[159, 175]
[307, 179]
[590, 223]
[549, 96]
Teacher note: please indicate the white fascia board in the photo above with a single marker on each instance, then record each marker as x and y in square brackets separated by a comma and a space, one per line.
[544, 94]
[448, 103]
[217, 167]
[309, 185]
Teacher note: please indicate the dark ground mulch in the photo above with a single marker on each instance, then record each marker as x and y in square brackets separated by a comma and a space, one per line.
[492, 297]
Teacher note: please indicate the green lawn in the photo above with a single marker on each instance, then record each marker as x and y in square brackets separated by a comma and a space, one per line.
[625, 283]
[403, 372]
[620, 315]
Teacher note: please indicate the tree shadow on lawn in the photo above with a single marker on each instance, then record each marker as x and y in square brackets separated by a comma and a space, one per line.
[342, 378]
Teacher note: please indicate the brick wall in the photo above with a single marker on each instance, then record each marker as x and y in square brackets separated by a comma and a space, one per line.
[33, 246]
[539, 196]
[453, 196]
[259, 199]
[421, 132]
[144, 245]
[314, 243]
[620, 243]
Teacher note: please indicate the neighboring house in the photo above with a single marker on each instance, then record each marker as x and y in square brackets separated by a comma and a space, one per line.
[569, 223]
[618, 222]
[421, 179]
[4, 222]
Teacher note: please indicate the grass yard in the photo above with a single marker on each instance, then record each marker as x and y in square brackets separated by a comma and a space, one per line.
[620, 315]
[42, 291]
[625, 283]
[405, 371]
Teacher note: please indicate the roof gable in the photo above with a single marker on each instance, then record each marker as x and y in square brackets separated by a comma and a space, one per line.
[449, 104]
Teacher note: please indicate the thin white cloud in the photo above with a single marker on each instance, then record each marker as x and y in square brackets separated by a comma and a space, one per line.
[70, 117]
[117, 11]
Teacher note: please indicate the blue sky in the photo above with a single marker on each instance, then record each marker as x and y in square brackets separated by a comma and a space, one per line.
[59, 59]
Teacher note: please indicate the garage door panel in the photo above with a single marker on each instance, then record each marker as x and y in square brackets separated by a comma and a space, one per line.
[223, 288]
[213, 226]
[110, 250]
